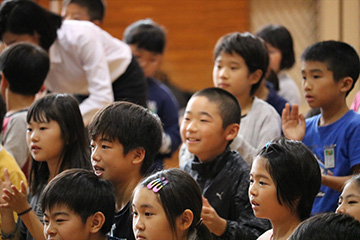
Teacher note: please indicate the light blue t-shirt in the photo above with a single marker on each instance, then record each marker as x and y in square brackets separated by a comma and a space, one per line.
[340, 142]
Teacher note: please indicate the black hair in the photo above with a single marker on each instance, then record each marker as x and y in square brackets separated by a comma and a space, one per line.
[279, 37]
[63, 109]
[329, 226]
[250, 48]
[3, 110]
[27, 17]
[95, 8]
[340, 58]
[133, 125]
[295, 172]
[180, 193]
[82, 192]
[146, 34]
[228, 106]
[25, 66]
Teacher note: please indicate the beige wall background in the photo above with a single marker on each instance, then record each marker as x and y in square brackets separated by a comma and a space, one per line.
[310, 21]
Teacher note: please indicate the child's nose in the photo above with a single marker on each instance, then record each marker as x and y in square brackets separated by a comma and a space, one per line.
[252, 190]
[191, 127]
[49, 230]
[340, 209]
[223, 73]
[139, 225]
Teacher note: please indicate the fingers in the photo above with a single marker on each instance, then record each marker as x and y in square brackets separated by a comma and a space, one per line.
[294, 113]
[23, 187]
[205, 202]
[7, 175]
[285, 112]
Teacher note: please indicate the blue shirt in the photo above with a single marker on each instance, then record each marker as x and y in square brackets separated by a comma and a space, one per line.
[341, 141]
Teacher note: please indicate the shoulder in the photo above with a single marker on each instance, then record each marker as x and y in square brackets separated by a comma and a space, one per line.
[263, 109]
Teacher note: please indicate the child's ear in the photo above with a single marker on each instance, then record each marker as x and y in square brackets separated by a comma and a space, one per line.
[185, 220]
[96, 222]
[232, 131]
[138, 155]
[4, 81]
[346, 84]
[255, 76]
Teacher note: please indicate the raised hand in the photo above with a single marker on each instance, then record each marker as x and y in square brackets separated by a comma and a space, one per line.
[293, 123]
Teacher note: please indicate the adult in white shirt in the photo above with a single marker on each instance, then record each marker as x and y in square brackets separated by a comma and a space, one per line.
[85, 60]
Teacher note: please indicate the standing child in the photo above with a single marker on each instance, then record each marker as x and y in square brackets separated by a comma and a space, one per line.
[78, 205]
[284, 180]
[147, 42]
[211, 122]
[167, 205]
[329, 70]
[57, 140]
[349, 200]
[23, 67]
[125, 137]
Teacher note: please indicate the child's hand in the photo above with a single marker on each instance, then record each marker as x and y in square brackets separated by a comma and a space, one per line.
[211, 219]
[6, 184]
[293, 123]
[13, 198]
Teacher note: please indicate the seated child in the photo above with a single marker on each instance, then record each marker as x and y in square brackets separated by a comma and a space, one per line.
[284, 180]
[78, 205]
[329, 70]
[147, 42]
[279, 42]
[175, 198]
[211, 122]
[329, 226]
[240, 63]
[24, 68]
[125, 137]
[349, 200]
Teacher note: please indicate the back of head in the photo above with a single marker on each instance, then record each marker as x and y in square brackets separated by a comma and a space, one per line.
[279, 37]
[340, 57]
[63, 109]
[181, 192]
[95, 8]
[2, 111]
[134, 126]
[146, 34]
[27, 17]
[228, 106]
[25, 66]
[82, 192]
[295, 172]
[250, 48]
[329, 226]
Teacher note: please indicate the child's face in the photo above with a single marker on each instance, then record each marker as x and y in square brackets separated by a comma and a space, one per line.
[263, 194]
[63, 224]
[275, 57]
[201, 129]
[10, 38]
[149, 61]
[349, 200]
[45, 141]
[109, 161]
[232, 74]
[74, 11]
[319, 86]
[149, 218]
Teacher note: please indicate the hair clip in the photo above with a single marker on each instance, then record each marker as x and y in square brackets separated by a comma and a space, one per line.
[157, 184]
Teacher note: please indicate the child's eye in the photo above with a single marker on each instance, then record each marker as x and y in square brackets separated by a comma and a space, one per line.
[317, 76]
[148, 214]
[134, 214]
[352, 202]
[105, 147]
[29, 129]
[234, 68]
[42, 128]
[204, 120]
[262, 183]
[60, 220]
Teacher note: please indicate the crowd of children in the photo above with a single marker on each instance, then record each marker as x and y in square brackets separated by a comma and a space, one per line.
[239, 178]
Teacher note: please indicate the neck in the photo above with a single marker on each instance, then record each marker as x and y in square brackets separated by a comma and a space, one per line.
[262, 92]
[53, 168]
[245, 103]
[283, 229]
[330, 114]
[124, 191]
[16, 102]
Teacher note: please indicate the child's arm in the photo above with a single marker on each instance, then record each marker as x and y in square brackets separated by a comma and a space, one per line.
[212, 220]
[338, 183]
[293, 123]
[17, 201]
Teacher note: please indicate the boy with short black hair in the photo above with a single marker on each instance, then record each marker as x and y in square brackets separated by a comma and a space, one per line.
[89, 10]
[78, 205]
[211, 121]
[147, 42]
[240, 63]
[125, 137]
[24, 68]
[330, 70]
